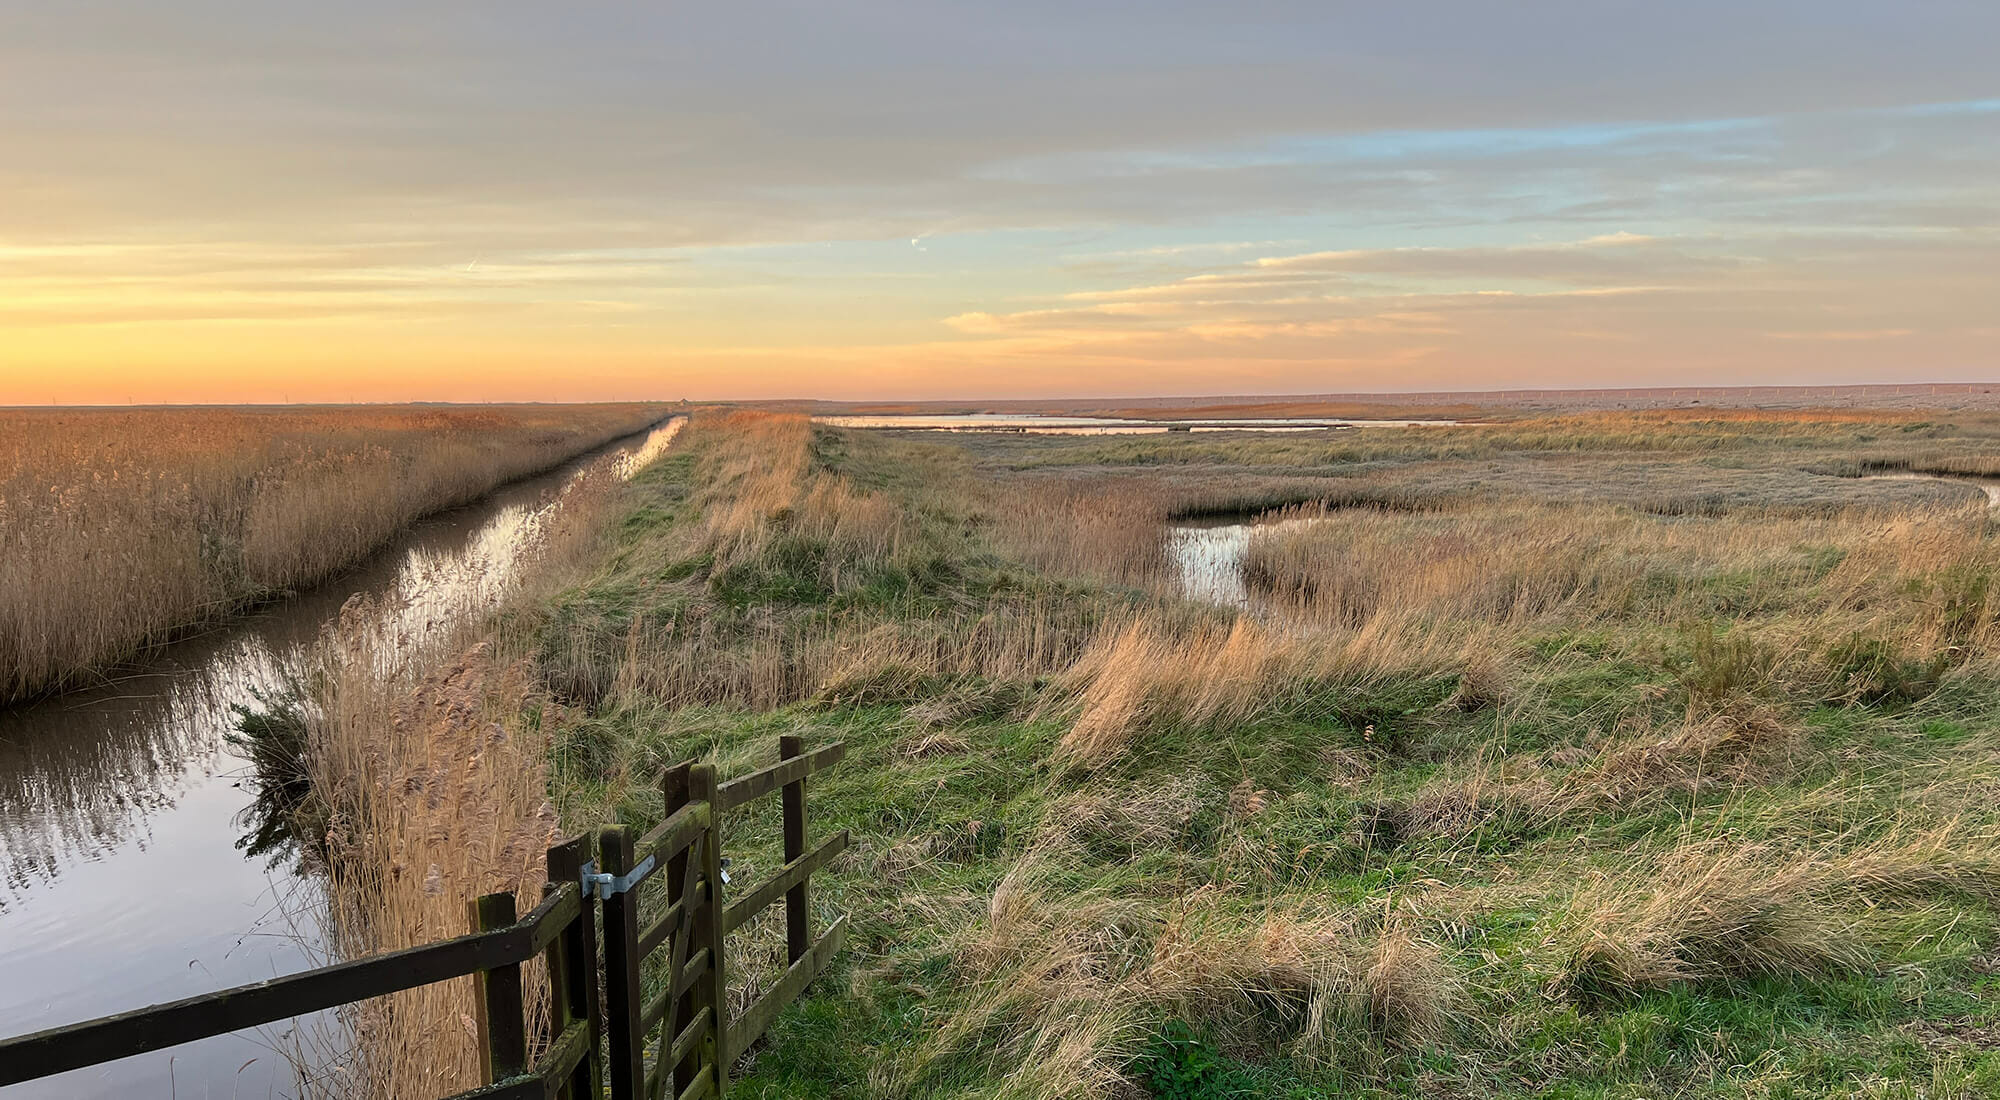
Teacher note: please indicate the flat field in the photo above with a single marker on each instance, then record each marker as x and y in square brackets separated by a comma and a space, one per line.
[1615, 755]
[121, 527]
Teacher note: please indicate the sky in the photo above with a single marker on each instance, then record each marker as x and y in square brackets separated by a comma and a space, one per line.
[272, 201]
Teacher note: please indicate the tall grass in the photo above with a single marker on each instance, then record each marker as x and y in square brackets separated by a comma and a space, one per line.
[436, 792]
[1521, 565]
[426, 748]
[120, 527]
[1143, 676]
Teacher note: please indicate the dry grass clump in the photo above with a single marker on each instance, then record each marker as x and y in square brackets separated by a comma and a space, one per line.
[1715, 911]
[1144, 674]
[1748, 746]
[1101, 527]
[1314, 976]
[120, 527]
[1120, 824]
[1712, 913]
[759, 486]
[1948, 860]
[1062, 990]
[1726, 749]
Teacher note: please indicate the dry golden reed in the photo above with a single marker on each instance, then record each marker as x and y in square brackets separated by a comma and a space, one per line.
[438, 794]
[120, 527]
[1147, 674]
[428, 753]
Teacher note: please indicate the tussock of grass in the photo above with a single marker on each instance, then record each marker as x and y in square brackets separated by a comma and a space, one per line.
[1143, 677]
[1716, 912]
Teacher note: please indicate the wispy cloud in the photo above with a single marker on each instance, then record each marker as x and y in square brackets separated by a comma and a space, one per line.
[1171, 196]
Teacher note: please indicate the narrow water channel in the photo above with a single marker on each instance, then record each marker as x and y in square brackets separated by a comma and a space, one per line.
[122, 879]
[1208, 555]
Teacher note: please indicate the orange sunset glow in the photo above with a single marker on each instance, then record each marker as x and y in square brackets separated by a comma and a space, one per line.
[512, 203]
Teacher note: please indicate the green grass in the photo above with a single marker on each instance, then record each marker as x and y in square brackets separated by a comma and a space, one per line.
[956, 786]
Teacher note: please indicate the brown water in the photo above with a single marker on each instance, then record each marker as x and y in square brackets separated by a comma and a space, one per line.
[122, 811]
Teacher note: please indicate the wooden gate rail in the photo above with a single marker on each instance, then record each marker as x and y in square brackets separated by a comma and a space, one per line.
[498, 949]
[697, 1041]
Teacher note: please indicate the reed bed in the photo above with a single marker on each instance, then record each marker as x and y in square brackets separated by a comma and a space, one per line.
[119, 528]
[436, 793]
[1522, 562]
[427, 734]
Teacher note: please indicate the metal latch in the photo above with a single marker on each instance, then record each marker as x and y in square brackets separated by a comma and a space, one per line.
[605, 885]
[724, 865]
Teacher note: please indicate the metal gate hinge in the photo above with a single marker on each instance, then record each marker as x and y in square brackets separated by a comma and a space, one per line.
[604, 886]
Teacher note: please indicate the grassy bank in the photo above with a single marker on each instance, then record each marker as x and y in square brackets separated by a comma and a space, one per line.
[119, 528]
[1523, 783]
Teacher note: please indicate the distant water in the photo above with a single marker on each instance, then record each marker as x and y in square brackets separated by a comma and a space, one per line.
[1105, 425]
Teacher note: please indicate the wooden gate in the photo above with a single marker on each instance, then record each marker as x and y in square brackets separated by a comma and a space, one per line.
[681, 946]
[663, 972]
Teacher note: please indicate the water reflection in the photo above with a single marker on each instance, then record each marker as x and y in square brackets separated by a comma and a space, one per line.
[1208, 555]
[123, 872]
[1110, 425]
[271, 737]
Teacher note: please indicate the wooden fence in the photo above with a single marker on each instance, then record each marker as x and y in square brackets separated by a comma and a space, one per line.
[682, 946]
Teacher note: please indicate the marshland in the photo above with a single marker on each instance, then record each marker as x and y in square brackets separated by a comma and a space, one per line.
[138, 868]
[1588, 755]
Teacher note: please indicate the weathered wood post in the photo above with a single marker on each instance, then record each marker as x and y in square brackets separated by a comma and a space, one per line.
[573, 968]
[798, 930]
[622, 992]
[708, 929]
[503, 1029]
[674, 790]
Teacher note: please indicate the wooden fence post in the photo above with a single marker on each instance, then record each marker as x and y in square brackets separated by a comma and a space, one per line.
[575, 991]
[561, 965]
[503, 1028]
[623, 994]
[798, 930]
[674, 789]
[708, 925]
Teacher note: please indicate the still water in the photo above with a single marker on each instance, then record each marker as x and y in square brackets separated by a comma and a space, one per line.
[122, 882]
[1208, 555]
[1107, 425]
